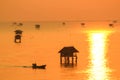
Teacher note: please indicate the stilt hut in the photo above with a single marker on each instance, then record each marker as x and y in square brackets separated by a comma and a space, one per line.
[18, 34]
[68, 55]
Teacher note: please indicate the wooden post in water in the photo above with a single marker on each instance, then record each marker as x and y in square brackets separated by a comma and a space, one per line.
[72, 59]
[76, 59]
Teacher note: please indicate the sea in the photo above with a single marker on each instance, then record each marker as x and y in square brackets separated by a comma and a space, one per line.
[98, 43]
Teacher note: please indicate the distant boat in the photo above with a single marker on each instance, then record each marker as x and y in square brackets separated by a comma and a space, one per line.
[35, 66]
[17, 24]
[20, 24]
[63, 23]
[37, 26]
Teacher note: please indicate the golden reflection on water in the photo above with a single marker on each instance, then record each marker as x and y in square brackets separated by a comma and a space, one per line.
[98, 48]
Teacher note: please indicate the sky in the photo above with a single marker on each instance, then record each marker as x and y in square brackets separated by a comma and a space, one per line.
[59, 10]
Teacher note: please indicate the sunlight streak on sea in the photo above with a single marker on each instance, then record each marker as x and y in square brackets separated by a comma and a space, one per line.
[98, 42]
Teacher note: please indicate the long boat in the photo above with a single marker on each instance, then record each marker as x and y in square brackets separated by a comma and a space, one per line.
[35, 66]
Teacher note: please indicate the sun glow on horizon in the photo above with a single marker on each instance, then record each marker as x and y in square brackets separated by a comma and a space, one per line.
[98, 43]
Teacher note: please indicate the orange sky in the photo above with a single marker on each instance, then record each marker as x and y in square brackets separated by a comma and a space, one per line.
[47, 10]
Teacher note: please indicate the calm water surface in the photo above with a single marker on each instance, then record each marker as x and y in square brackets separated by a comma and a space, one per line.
[97, 43]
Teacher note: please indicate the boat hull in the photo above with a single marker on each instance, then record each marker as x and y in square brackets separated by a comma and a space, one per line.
[39, 67]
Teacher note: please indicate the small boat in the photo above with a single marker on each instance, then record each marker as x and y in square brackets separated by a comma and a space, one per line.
[37, 26]
[35, 66]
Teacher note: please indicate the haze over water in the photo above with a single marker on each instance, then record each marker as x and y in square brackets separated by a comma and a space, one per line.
[97, 43]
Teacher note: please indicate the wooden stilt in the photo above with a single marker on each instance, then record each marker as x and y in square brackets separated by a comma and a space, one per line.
[72, 60]
[61, 59]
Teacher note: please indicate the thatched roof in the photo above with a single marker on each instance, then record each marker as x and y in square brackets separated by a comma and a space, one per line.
[18, 31]
[69, 49]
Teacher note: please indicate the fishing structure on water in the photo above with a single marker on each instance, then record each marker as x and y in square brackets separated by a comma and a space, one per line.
[18, 35]
[68, 56]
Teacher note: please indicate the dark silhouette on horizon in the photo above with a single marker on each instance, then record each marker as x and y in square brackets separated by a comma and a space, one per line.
[63, 23]
[17, 24]
[111, 25]
[37, 26]
[82, 24]
[20, 24]
[68, 55]
[115, 21]
[14, 23]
